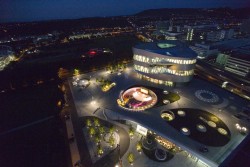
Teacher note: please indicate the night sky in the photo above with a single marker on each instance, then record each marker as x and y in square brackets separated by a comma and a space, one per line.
[34, 10]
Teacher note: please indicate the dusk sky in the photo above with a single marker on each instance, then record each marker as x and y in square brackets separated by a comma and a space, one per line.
[34, 10]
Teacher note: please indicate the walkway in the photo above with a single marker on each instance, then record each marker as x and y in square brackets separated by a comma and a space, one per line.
[78, 133]
[75, 157]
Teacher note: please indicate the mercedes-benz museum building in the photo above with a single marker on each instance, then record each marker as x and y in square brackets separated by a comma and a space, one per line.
[165, 62]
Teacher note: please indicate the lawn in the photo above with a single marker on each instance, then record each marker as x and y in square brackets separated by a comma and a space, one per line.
[195, 117]
[172, 97]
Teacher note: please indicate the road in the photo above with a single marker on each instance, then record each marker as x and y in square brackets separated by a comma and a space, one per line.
[237, 85]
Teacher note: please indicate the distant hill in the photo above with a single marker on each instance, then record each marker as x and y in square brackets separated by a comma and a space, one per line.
[166, 12]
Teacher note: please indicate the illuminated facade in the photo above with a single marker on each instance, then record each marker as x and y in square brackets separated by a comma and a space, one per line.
[168, 62]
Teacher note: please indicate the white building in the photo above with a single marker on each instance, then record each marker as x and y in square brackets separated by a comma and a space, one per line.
[167, 62]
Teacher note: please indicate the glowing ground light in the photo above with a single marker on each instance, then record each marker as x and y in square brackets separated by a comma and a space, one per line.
[166, 101]
[83, 82]
[201, 128]
[241, 128]
[185, 131]
[211, 124]
[93, 102]
[215, 119]
[222, 131]
[181, 113]
[165, 92]
[167, 116]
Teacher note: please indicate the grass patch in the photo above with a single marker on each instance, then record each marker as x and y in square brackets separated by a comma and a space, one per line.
[172, 97]
[194, 117]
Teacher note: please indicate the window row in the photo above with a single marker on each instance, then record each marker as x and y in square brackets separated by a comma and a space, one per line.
[167, 83]
[162, 70]
[162, 60]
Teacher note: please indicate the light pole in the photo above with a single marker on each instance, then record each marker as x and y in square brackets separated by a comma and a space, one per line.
[241, 87]
[120, 160]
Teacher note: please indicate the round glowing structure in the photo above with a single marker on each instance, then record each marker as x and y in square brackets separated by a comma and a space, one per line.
[185, 131]
[181, 113]
[212, 124]
[137, 99]
[222, 131]
[168, 115]
[201, 128]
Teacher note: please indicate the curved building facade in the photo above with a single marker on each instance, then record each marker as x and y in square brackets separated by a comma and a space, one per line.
[167, 62]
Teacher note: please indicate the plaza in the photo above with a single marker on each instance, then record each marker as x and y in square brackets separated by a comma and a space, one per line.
[207, 113]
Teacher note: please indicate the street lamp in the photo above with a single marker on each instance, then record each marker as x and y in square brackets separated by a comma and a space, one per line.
[93, 102]
[241, 129]
[241, 87]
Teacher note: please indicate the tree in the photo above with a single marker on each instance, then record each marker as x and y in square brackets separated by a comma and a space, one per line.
[97, 138]
[101, 129]
[96, 122]
[88, 122]
[131, 130]
[111, 140]
[99, 150]
[123, 66]
[131, 157]
[112, 129]
[92, 131]
[63, 73]
[139, 146]
[101, 80]
[76, 72]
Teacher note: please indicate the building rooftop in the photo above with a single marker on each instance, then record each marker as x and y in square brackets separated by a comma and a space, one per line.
[169, 48]
[222, 108]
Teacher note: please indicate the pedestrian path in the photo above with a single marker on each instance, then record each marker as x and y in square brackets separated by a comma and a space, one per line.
[75, 157]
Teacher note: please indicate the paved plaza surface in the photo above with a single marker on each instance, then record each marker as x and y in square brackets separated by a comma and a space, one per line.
[92, 101]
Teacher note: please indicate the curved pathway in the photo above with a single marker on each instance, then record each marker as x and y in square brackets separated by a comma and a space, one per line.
[224, 104]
